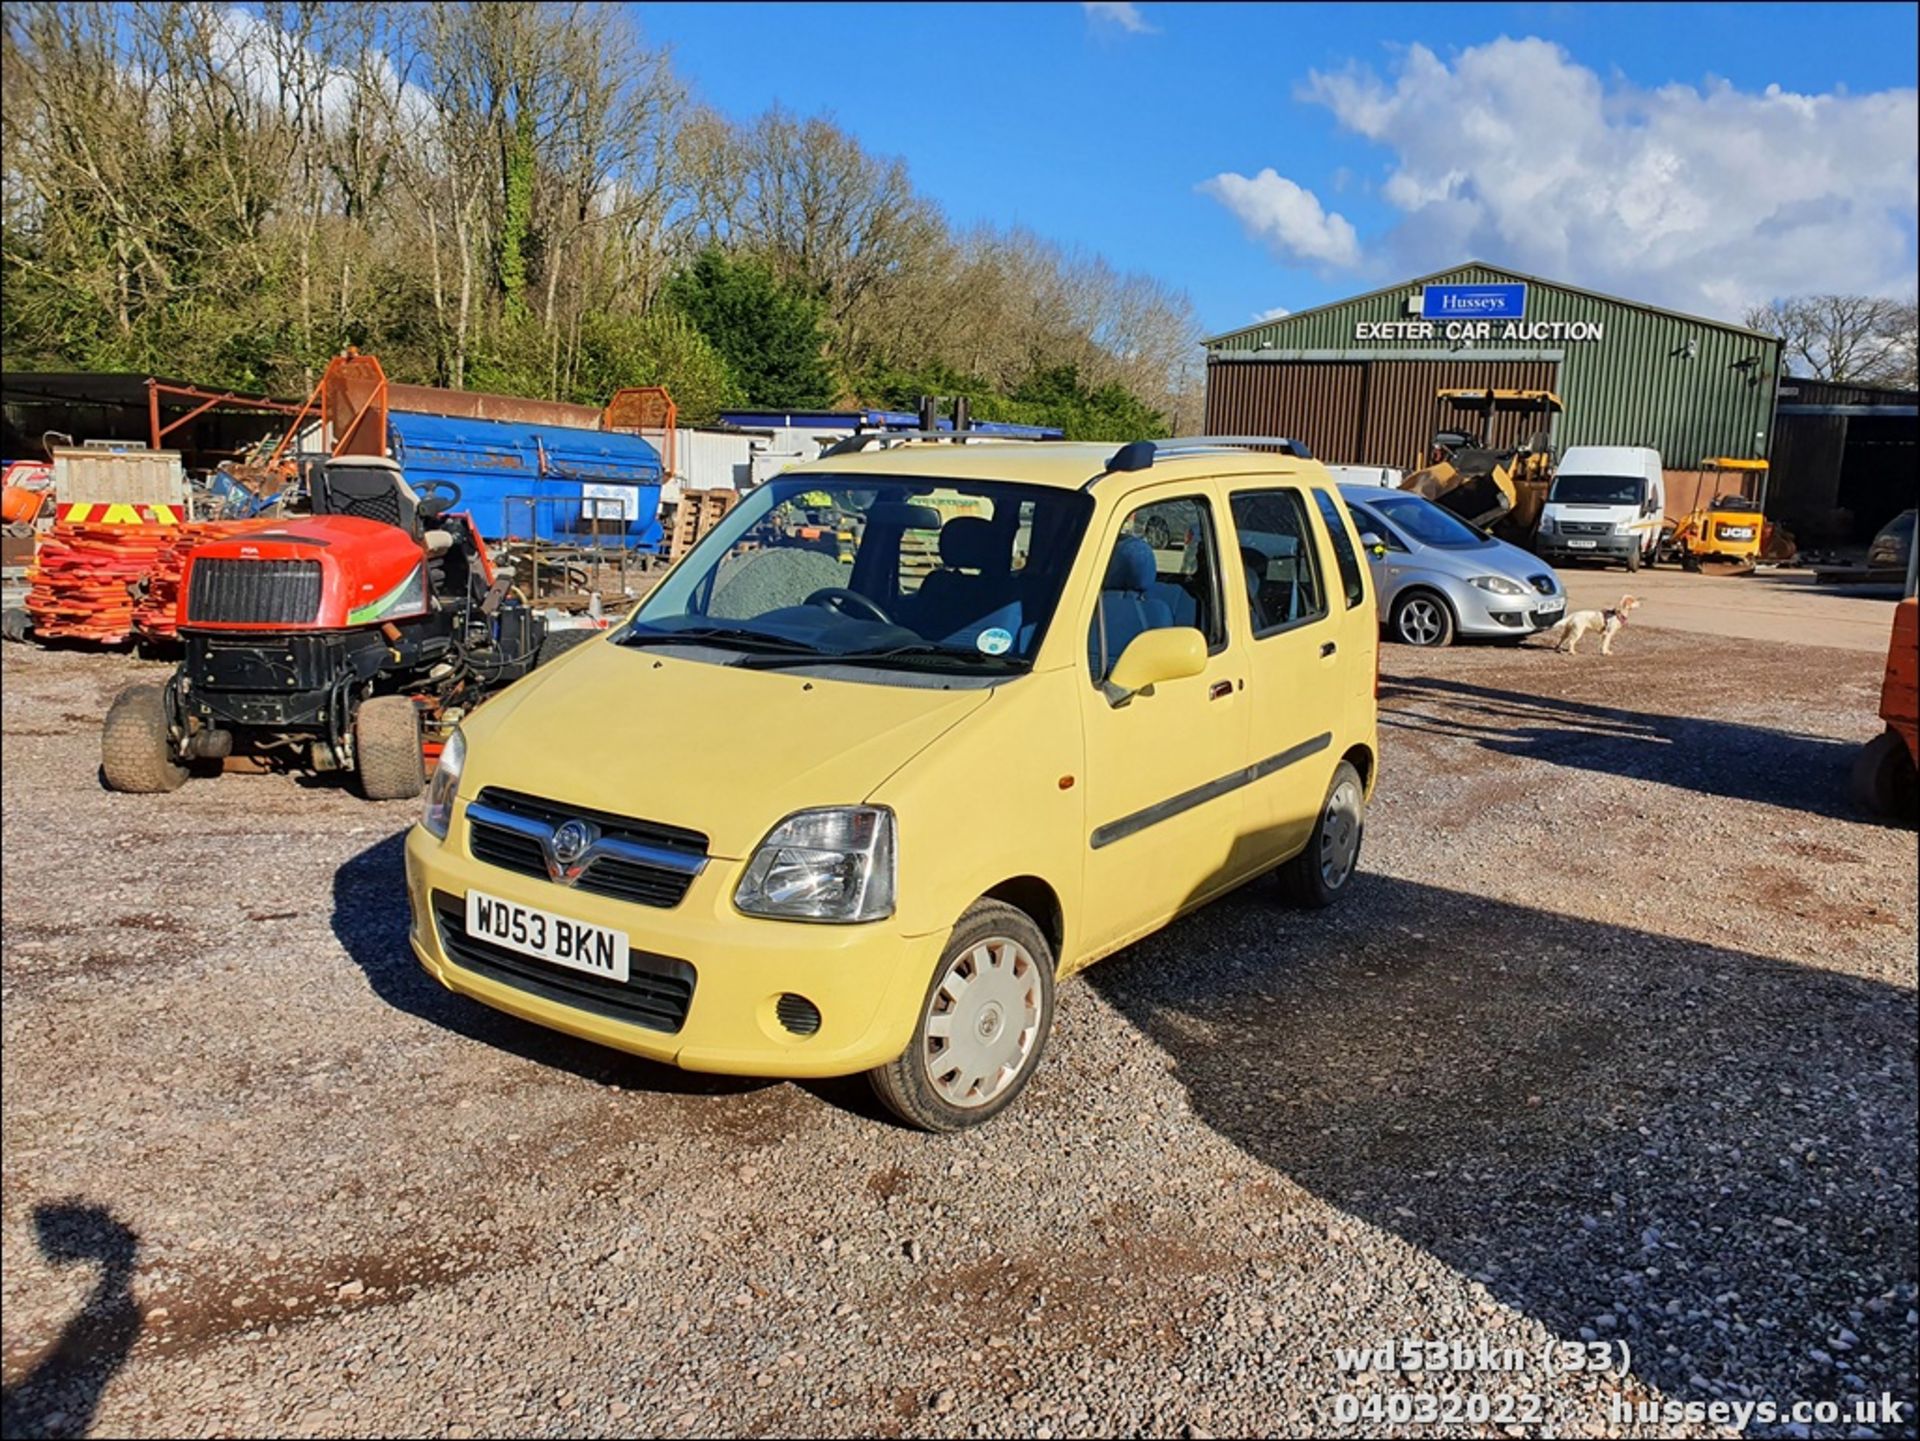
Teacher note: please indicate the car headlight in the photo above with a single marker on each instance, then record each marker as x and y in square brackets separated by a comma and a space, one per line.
[446, 781]
[824, 865]
[1498, 584]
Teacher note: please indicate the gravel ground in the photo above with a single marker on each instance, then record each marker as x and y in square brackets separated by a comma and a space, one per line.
[1614, 1040]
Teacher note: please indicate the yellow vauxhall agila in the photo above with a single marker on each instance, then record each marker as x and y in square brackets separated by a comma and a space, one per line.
[825, 805]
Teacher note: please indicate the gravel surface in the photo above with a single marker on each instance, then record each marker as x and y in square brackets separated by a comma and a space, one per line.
[1614, 1040]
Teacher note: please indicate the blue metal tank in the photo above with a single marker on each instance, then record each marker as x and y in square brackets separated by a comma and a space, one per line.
[523, 482]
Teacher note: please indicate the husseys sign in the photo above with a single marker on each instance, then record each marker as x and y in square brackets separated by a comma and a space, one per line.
[1493, 312]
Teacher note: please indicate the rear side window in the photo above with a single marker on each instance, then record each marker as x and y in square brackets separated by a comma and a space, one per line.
[1278, 559]
[1343, 551]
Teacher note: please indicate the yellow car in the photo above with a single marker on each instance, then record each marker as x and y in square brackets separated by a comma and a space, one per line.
[806, 815]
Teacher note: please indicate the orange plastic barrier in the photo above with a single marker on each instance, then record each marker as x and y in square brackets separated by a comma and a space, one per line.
[86, 578]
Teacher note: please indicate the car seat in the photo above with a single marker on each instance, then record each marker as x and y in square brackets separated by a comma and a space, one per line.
[973, 588]
[1126, 606]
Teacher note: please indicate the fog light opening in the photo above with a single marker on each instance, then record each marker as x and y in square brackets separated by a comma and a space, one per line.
[797, 1014]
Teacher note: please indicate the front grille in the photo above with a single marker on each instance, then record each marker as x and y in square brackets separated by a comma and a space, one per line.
[1541, 583]
[656, 994]
[1548, 617]
[622, 880]
[253, 592]
[1585, 527]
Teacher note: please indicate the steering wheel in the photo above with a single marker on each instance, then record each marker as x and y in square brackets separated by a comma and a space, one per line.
[430, 493]
[848, 602]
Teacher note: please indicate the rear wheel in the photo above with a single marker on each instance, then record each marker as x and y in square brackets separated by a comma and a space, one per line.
[386, 748]
[1319, 875]
[136, 750]
[982, 1027]
[1421, 618]
[1884, 781]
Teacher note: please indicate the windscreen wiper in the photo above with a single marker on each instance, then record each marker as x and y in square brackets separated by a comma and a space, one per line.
[923, 650]
[752, 641]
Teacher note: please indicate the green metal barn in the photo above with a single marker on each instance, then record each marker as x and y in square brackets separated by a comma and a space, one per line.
[1356, 380]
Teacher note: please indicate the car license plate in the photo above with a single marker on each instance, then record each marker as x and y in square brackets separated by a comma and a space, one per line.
[1551, 607]
[1582, 544]
[548, 937]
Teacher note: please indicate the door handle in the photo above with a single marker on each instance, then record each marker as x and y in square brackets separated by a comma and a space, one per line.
[1328, 649]
[1220, 690]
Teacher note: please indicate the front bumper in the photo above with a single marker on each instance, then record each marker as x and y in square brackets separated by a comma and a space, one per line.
[1615, 549]
[1482, 613]
[866, 981]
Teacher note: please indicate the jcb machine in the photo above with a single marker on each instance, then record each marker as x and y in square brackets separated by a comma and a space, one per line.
[1501, 487]
[1886, 773]
[328, 641]
[1723, 536]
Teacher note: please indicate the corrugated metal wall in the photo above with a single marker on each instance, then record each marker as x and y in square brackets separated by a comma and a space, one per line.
[1636, 386]
[1319, 404]
[1358, 412]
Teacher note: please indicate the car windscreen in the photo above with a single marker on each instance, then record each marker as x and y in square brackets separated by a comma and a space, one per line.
[1598, 489]
[1428, 523]
[888, 572]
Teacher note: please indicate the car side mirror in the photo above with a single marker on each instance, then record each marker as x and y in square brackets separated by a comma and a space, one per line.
[1372, 544]
[1153, 656]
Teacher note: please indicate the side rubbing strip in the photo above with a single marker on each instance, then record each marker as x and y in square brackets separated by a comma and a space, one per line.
[1159, 811]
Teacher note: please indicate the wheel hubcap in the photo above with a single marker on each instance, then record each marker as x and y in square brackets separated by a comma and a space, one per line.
[1419, 622]
[1340, 835]
[983, 1022]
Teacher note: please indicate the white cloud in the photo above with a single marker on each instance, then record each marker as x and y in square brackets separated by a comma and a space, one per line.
[1287, 217]
[1279, 312]
[1704, 198]
[1123, 13]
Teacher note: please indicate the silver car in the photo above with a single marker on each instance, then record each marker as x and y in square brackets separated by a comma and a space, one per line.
[1439, 577]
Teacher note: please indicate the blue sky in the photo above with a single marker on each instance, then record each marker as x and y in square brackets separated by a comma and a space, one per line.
[1281, 156]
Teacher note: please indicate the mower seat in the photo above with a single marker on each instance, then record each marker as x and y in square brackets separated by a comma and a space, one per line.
[371, 487]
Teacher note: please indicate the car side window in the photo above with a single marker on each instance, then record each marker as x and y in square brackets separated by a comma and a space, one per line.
[1279, 559]
[1163, 571]
[1371, 524]
[1343, 551]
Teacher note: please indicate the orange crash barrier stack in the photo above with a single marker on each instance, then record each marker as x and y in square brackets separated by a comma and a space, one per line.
[109, 583]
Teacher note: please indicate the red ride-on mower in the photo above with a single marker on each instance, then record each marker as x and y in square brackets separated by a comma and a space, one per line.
[329, 642]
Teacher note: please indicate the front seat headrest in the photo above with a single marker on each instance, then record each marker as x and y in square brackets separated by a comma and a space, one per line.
[1132, 567]
[968, 542]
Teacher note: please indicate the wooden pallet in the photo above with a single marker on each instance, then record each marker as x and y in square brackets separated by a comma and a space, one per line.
[696, 513]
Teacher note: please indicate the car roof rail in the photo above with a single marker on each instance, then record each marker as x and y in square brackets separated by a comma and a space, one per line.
[1141, 454]
[854, 444]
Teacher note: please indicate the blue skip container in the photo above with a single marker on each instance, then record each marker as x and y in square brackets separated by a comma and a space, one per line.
[537, 482]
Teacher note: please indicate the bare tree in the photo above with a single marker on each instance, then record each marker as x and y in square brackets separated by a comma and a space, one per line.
[1866, 339]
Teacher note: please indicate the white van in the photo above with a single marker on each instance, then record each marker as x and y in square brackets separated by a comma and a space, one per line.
[1607, 502]
[1388, 477]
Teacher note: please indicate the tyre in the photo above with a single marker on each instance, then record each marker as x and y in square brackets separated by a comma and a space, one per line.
[1422, 618]
[1321, 873]
[1633, 561]
[982, 1026]
[136, 750]
[386, 749]
[1884, 781]
[16, 623]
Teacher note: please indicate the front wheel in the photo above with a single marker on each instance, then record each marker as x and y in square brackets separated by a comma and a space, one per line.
[1320, 874]
[1884, 781]
[982, 1026]
[1633, 561]
[386, 749]
[136, 747]
[1422, 618]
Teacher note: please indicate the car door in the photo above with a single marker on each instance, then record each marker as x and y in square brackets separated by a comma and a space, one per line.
[1389, 570]
[1296, 698]
[1163, 799]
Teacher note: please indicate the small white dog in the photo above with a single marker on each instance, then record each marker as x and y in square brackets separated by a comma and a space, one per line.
[1567, 633]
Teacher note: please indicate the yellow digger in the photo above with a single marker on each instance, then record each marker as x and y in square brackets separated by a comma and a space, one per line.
[1501, 487]
[1722, 536]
